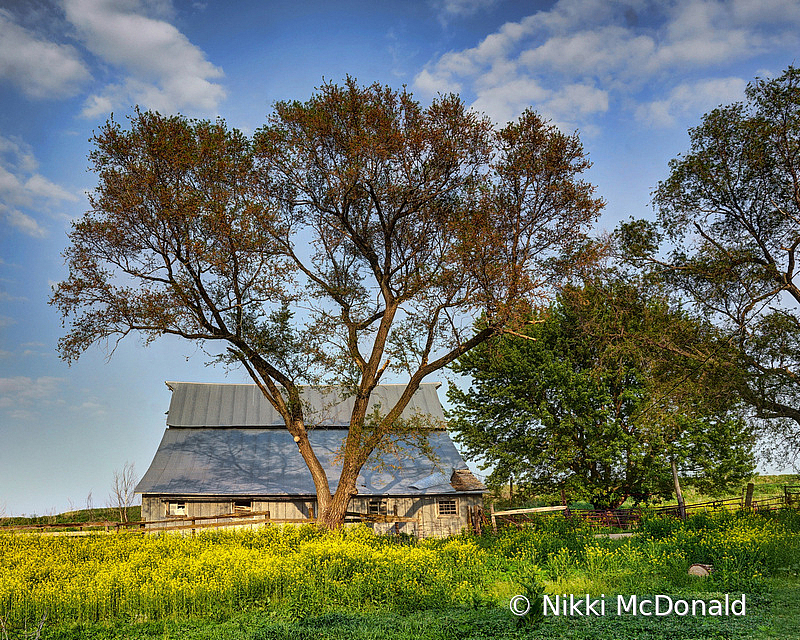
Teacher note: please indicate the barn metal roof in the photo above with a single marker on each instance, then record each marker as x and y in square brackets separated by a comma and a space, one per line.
[266, 462]
[233, 455]
[197, 404]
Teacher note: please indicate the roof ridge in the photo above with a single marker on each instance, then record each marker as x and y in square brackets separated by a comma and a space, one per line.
[437, 383]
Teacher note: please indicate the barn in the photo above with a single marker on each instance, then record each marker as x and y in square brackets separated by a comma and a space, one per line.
[226, 451]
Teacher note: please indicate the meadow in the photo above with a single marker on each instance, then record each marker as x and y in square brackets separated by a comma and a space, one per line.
[301, 582]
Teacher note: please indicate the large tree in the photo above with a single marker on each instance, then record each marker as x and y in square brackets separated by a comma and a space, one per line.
[728, 232]
[587, 399]
[357, 234]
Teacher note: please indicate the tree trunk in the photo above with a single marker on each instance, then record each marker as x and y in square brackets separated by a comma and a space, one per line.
[678, 492]
[332, 516]
[324, 498]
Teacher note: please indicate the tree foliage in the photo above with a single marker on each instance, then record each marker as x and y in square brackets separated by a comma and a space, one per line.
[588, 400]
[729, 231]
[356, 235]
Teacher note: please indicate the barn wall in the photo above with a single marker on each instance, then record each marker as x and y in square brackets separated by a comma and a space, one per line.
[156, 508]
[423, 509]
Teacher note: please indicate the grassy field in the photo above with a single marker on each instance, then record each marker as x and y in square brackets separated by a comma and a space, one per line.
[775, 617]
[766, 486]
[69, 517]
[300, 582]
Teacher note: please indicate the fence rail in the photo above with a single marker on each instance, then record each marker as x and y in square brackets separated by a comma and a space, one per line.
[619, 518]
[172, 523]
[187, 523]
[628, 518]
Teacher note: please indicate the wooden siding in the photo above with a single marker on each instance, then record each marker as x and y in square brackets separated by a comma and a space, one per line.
[423, 509]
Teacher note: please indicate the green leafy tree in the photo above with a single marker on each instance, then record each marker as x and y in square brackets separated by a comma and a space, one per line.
[727, 238]
[587, 399]
[354, 236]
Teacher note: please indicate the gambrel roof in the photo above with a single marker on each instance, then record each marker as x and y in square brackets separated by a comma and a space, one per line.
[227, 440]
[196, 404]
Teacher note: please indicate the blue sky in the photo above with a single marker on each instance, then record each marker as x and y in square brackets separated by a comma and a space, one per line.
[631, 77]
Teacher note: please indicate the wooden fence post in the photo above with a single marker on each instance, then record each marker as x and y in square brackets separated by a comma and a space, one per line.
[678, 492]
[748, 496]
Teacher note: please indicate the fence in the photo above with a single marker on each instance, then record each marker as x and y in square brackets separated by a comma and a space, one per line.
[185, 523]
[177, 523]
[619, 518]
[629, 518]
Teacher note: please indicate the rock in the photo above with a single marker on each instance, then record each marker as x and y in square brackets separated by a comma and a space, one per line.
[702, 570]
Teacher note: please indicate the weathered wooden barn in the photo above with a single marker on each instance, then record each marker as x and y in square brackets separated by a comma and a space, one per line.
[226, 451]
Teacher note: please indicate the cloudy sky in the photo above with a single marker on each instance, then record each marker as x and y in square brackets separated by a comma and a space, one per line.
[630, 76]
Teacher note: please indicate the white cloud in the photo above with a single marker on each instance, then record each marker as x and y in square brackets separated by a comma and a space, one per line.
[691, 98]
[576, 100]
[40, 187]
[572, 60]
[20, 391]
[41, 69]
[506, 101]
[776, 11]
[17, 155]
[608, 50]
[165, 71]
[91, 406]
[22, 222]
[22, 187]
[465, 7]
[21, 414]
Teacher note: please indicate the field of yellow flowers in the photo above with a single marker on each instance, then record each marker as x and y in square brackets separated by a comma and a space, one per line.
[296, 572]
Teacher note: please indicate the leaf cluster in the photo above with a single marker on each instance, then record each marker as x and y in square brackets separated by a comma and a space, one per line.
[595, 402]
[727, 235]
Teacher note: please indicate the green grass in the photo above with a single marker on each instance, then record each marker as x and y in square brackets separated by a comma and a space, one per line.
[771, 616]
[78, 516]
[766, 486]
[300, 582]
[784, 614]
[763, 487]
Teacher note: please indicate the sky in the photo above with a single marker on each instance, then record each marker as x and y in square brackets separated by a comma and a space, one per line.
[631, 77]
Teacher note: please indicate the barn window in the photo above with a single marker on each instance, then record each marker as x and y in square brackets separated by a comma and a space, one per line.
[377, 506]
[447, 507]
[177, 508]
[242, 506]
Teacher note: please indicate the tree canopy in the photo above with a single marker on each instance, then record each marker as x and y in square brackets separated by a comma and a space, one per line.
[727, 238]
[356, 235]
[588, 400]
